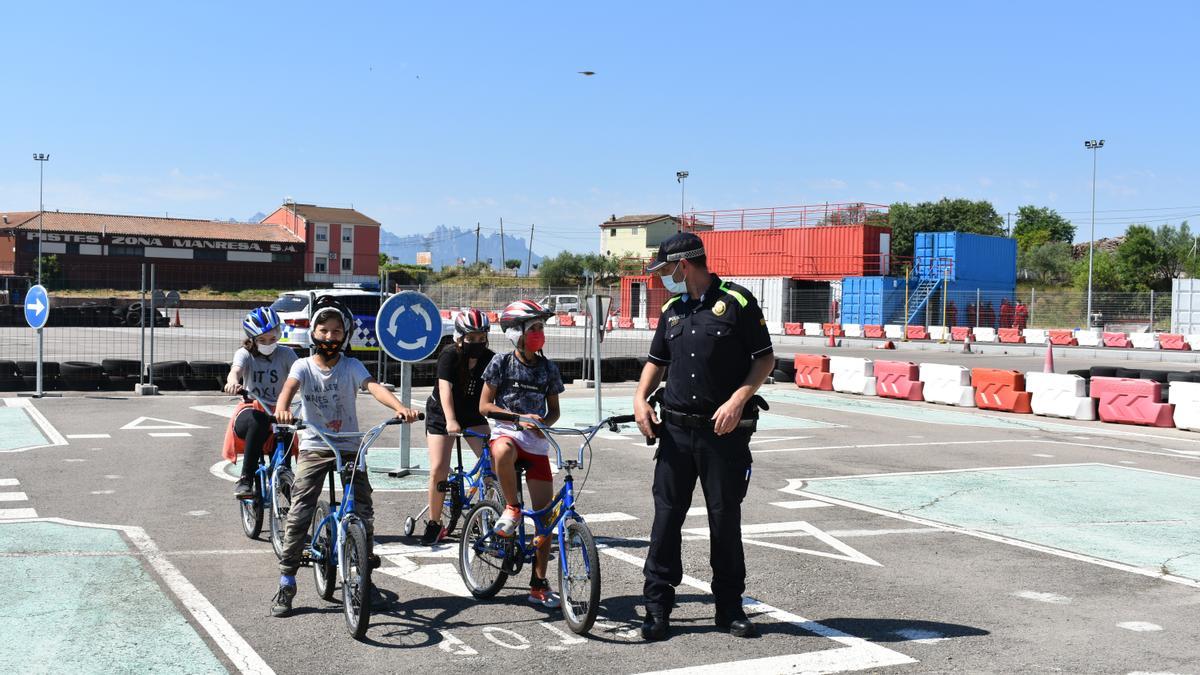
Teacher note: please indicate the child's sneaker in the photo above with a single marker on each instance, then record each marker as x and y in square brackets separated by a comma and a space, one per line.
[282, 604]
[540, 594]
[434, 532]
[508, 522]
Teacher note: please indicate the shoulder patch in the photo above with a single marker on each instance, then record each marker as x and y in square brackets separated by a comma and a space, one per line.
[736, 295]
[668, 303]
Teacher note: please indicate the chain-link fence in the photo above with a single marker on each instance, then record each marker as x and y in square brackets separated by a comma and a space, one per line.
[1061, 309]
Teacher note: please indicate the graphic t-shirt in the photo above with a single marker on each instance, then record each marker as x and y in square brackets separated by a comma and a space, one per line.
[523, 390]
[264, 375]
[327, 400]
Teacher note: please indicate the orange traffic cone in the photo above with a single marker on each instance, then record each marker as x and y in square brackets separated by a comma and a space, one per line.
[1048, 367]
[177, 323]
[832, 343]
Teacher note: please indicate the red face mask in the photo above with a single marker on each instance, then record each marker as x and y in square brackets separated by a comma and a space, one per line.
[534, 341]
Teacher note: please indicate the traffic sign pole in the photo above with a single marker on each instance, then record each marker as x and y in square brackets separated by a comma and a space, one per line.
[40, 390]
[37, 313]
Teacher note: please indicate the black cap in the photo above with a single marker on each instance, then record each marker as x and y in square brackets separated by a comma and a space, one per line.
[679, 246]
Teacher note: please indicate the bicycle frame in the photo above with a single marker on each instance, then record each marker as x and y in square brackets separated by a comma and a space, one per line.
[473, 479]
[267, 467]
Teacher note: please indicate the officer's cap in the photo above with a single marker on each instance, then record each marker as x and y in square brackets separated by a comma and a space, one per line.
[680, 246]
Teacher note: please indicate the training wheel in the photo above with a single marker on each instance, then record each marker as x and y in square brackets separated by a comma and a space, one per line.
[410, 524]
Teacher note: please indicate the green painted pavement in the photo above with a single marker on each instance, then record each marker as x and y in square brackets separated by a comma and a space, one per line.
[20, 431]
[1134, 517]
[100, 612]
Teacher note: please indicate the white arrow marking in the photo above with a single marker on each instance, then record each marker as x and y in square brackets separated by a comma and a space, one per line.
[37, 306]
[394, 327]
[799, 528]
[420, 309]
[141, 424]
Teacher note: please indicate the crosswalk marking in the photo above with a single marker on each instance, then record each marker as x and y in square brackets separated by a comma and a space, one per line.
[74, 436]
[613, 517]
[801, 504]
[13, 514]
[13, 497]
[9, 482]
[170, 435]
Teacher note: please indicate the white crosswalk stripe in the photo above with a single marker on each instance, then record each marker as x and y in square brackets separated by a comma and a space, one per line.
[14, 496]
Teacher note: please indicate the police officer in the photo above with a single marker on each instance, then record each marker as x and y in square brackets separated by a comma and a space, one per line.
[713, 344]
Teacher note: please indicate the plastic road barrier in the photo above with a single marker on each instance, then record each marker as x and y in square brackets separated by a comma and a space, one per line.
[1088, 338]
[793, 329]
[852, 375]
[1056, 395]
[775, 327]
[493, 317]
[1003, 390]
[1034, 336]
[916, 333]
[566, 320]
[960, 333]
[854, 330]
[653, 323]
[899, 379]
[873, 331]
[893, 331]
[937, 332]
[444, 313]
[1010, 336]
[1173, 341]
[1144, 340]
[1185, 396]
[811, 328]
[1194, 341]
[985, 334]
[946, 384]
[812, 372]
[1063, 338]
[1129, 401]
[832, 329]
[1116, 340]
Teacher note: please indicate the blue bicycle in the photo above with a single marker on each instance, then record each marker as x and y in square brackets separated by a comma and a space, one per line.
[486, 560]
[339, 548]
[462, 488]
[273, 487]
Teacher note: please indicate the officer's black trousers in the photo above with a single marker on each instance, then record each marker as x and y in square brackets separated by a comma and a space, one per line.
[722, 463]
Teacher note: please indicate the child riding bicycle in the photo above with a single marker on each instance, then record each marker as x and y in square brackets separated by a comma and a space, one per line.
[327, 382]
[454, 406]
[524, 382]
[261, 367]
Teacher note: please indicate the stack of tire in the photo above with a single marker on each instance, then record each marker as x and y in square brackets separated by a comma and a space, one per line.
[569, 369]
[206, 375]
[122, 373]
[28, 372]
[1165, 377]
[10, 377]
[785, 369]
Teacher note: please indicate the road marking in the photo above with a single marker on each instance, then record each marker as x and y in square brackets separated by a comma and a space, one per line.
[1042, 454]
[1126, 461]
[858, 654]
[848, 553]
[800, 504]
[13, 497]
[225, 411]
[697, 511]
[920, 635]
[197, 513]
[111, 476]
[149, 423]
[239, 652]
[48, 432]
[74, 459]
[452, 645]
[1052, 598]
[613, 517]
[170, 434]
[103, 492]
[17, 514]
[218, 470]
[1139, 626]
[779, 439]
[840, 534]
[9, 482]
[77, 436]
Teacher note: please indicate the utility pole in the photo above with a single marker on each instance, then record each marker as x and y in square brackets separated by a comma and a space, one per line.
[503, 258]
[1094, 146]
[1009, 227]
[476, 243]
[529, 257]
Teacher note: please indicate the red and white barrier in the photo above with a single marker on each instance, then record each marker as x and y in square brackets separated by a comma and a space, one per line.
[893, 331]
[852, 330]
[1144, 340]
[985, 334]
[1056, 395]
[793, 329]
[898, 379]
[1185, 396]
[852, 375]
[1129, 401]
[948, 385]
[812, 328]
[1088, 338]
[1034, 336]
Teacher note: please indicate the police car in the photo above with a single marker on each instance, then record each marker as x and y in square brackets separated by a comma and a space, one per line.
[294, 308]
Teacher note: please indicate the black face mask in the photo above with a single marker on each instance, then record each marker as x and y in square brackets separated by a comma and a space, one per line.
[474, 350]
[328, 349]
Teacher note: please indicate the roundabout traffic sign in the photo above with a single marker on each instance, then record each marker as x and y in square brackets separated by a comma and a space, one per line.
[37, 307]
[408, 326]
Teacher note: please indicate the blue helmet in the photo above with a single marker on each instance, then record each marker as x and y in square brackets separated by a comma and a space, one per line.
[260, 320]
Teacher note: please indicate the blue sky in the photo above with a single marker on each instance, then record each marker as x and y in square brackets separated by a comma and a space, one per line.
[420, 116]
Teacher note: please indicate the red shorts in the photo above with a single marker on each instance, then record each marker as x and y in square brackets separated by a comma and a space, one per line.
[537, 467]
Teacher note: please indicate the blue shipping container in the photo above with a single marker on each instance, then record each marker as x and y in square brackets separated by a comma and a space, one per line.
[871, 301]
[971, 257]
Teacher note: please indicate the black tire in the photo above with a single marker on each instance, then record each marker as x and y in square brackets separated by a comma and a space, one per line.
[1103, 371]
[252, 511]
[1180, 376]
[1154, 375]
[788, 366]
[170, 369]
[579, 586]
[1084, 373]
[81, 375]
[29, 368]
[356, 578]
[1130, 373]
[324, 570]
[779, 376]
[12, 384]
[480, 554]
[8, 369]
[209, 369]
[452, 509]
[281, 503]
[121, 367]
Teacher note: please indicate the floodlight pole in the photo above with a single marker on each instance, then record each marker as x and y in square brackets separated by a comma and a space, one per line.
[681, 178]
[1094, 146]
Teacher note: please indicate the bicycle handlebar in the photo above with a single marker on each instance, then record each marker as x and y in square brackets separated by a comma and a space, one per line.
[504, 417]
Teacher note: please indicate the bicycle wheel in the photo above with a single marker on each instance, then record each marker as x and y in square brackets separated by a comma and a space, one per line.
[281, 503]
[356, 578]
[452, 507]
[324, 570]
[252, 511]
[579, 578]
[480, 553]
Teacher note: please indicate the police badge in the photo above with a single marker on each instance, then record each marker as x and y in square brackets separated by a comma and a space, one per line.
[719, 308]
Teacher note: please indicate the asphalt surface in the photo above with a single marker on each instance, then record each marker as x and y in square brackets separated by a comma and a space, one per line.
[964, 569]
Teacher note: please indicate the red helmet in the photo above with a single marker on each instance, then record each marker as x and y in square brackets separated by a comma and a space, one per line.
[471, 320]
[521, 312]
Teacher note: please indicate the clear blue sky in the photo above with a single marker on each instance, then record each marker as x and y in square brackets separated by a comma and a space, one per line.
[421, 116]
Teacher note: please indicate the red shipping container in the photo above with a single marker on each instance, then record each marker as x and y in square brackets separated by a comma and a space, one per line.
[819, 253]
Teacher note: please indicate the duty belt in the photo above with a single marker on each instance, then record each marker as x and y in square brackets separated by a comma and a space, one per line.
[691, 421]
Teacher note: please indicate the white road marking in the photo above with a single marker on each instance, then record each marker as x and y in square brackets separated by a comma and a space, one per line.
[868, 446]
[840, 534]
[615, 516]
[239, 652]
[800, 504]
[848, 553]
[13, 497]
[155, 423]
[443, 577]
[225, 411]
[103, 492]
[779, 439]
[1052, 598]
[197, 513]
[1126, 461]
[74, 459]
[452, 645]
[17, 514]
[111, 476]
[858, 654]
[170, 434]
[920, 635]
[9, 482]
[697, 511]
[1139, 626]
[77, 436]
[1042, 454]
[218, 470]
[40, 420]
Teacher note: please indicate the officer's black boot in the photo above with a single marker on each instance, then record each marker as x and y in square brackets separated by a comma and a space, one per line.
[737, 625]
[655, 627]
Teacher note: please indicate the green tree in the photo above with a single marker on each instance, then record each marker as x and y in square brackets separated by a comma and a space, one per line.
[1037, 225]
[947, 215]
[1049, 262]
[384, 259]
[1139, 259]
[1106, 275]
[52, 274]
[1176, 250]
[513, 263]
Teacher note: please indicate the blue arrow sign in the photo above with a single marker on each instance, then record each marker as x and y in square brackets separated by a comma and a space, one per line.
[37, 306]
[408, 326]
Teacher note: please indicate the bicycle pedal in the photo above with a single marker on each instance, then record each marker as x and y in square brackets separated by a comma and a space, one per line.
[443, 486]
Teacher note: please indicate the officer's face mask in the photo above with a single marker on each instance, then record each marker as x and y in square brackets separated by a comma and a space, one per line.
[673, 286]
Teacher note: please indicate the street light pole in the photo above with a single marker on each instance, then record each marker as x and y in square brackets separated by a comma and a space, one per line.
[1094, 146]
[41, 159]
[681, 178]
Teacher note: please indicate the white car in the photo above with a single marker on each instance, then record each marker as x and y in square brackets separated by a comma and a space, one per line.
[293, 309]
[562, 304]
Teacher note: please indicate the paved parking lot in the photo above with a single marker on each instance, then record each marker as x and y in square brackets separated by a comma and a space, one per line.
[881, 536]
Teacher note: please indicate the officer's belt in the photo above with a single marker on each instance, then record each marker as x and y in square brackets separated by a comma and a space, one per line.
[691, 421]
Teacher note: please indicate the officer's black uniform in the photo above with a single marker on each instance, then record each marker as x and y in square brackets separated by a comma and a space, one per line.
[708, 345]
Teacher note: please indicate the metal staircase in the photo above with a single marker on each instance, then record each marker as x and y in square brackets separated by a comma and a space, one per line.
[920, 296]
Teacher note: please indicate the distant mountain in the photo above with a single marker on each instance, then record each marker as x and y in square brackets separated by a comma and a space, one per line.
[450, 244]
[257, 218]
